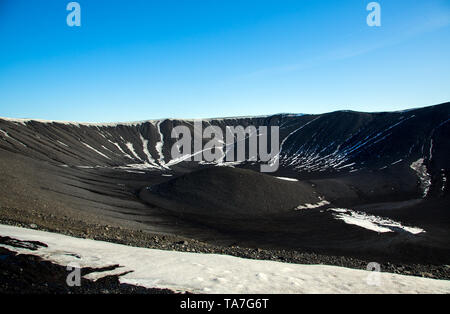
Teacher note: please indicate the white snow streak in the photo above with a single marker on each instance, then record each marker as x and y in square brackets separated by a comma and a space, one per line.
[431, 150]
[159, 145]
[311, 157]
[7, 136]
[145, 149]
[120, 149]
[371, 222]
[5, 133]
[444, 181]
[144, 166]
[133, 152]
[287, 179]
[92, 148]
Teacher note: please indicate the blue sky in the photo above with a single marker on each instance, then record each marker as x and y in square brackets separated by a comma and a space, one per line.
[137, 60]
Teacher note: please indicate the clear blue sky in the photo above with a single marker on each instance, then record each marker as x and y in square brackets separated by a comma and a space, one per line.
[137, 60]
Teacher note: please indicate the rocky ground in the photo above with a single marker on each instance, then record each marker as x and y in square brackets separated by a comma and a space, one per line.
[72, 227]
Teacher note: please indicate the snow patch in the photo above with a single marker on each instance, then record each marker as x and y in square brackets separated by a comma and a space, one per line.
[425, 179]
[311, 206]
[212, 273]
[371, 222]
[145, 165]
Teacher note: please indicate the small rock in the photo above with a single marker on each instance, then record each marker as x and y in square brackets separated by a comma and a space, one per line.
[427, 275]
